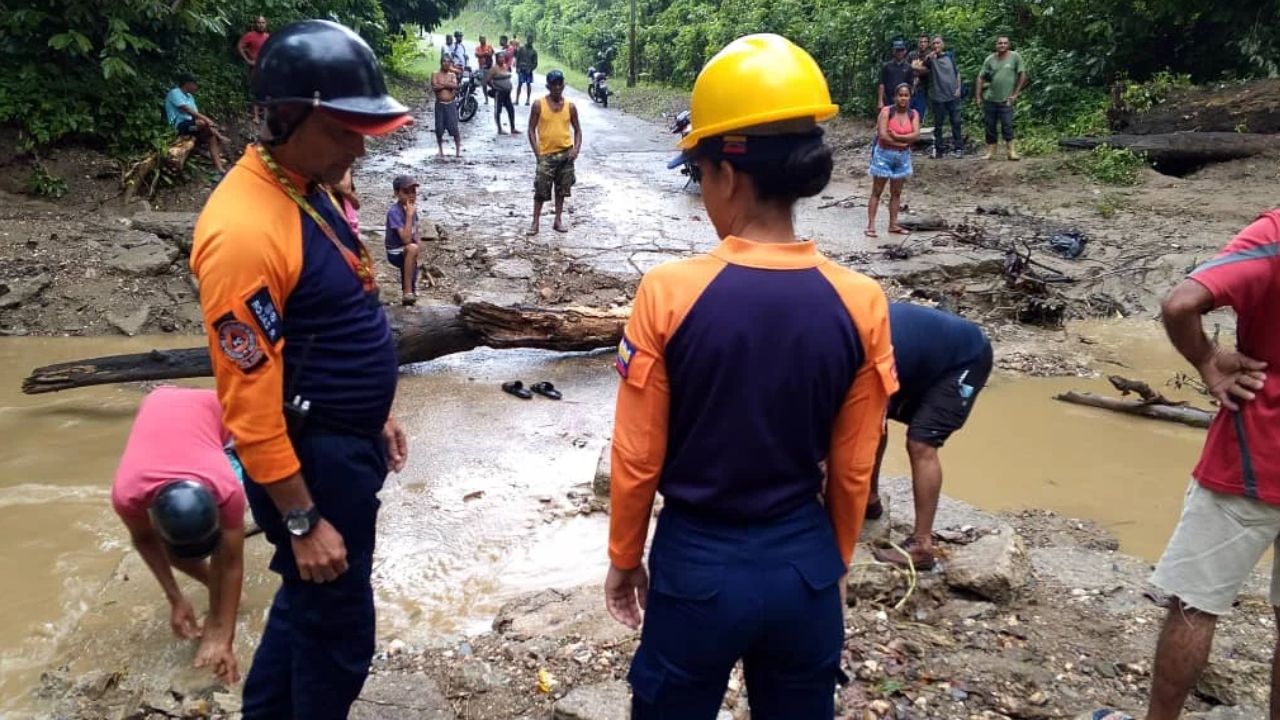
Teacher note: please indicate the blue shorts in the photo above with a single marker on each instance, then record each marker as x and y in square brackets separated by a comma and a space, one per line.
[890, 164]
[524, 77]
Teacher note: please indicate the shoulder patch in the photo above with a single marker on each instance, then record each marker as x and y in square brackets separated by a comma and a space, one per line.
[264, 312]
[626, 351]
[239, 343]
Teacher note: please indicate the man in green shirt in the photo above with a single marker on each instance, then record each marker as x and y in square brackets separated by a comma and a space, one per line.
[999, 84]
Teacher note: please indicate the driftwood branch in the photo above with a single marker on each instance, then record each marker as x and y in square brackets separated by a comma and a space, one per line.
[421, 333]
[1195, 417]
[1184, 148]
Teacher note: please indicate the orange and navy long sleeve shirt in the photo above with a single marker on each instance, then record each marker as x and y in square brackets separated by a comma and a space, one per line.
[286, 317]
[743, 371]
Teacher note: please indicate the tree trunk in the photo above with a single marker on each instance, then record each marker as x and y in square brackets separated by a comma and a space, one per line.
[1184, 149]
[150, 167]
[1195, 417]
[1252, 107]
[421, 333]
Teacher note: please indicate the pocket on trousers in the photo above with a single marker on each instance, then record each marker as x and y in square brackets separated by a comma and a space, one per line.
[820, 570]
[686, 581]
[1249, 513]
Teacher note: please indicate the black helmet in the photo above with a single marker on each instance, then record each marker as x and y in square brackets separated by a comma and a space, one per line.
[186, 516]
[555, 76]
[326, 65]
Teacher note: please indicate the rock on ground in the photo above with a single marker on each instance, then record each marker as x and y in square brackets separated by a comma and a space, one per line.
[176, 226]
[606, 701]
[558, 614]
[604, 471]
[401, 697]
[129, 323]
[141, 253]
[18, 291]
[994, 567]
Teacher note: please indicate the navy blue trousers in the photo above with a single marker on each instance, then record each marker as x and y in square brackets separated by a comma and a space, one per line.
[719, 592]
[319, 640]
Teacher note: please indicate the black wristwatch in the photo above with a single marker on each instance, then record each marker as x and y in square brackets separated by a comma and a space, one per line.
[300, 523]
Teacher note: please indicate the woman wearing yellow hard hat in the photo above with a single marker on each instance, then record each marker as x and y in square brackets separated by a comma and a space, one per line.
[754, 385]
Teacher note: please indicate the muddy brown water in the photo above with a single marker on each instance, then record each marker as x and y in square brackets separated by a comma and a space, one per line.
[448, 557]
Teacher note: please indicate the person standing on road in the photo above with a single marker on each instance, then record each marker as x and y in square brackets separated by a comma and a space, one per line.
[999, 84]
[178, 493]
[526, 63]
[499, 78]
[446, 51]
[305, 363]
[459, 51]
[894, 73]
[1231, 511]
[249, 46]
[943, 362]
[744, 371]
[402, 235]
[484, 59]
[897, 129]
[944, 93]
[556, 138]
[920, 88]
[445, 86]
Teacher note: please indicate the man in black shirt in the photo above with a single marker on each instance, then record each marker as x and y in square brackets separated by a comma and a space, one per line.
[894, 73]
[920, 98]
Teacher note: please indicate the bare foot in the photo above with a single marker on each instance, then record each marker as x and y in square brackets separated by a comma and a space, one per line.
[898, 230]
[871, 233]
[559, 227]
[531, 231]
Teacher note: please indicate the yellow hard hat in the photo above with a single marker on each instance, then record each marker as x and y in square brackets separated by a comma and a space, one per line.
[754, 80]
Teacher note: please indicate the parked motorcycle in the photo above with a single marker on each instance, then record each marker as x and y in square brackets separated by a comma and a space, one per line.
[598, 86]
[681, 125]
[468, 105]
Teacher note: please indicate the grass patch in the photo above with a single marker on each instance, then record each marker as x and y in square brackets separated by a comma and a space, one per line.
[1109, 166]
[1110, 203]
[649, 101]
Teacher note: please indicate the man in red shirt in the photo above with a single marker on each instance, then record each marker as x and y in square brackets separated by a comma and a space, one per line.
[1231, 514]
[250, 44]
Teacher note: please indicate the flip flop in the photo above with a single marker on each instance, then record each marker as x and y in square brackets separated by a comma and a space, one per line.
[894, 557]
[517, 388]
[871, 234]
[546, 390]
[899, 230]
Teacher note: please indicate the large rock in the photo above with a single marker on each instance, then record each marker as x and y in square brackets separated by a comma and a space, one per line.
[176, 226]
[141, 253]
[516, 268]
[604, 471]
[1235, 682]
[129, 323]
[1121, 579]
[606, 701]
[559, 614]
[19, 290]
[401, 697]
[994, 567]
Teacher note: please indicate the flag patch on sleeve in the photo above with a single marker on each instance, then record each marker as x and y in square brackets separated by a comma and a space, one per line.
[264, 312]
[626, 352]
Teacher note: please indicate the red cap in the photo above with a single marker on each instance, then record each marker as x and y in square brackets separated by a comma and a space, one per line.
[369, 125]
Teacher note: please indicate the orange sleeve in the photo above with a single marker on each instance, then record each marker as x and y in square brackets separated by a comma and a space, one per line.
[664, 298]
[860, 422]
[246, 271]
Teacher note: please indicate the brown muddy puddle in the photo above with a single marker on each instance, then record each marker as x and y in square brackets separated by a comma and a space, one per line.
[476, 517]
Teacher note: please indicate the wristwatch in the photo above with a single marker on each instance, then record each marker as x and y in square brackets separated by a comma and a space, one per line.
[300, 523]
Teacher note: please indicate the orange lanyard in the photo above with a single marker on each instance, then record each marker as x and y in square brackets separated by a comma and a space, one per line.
[362, 266]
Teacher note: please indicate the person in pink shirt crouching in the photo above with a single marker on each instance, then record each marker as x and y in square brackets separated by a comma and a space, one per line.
[178, 491]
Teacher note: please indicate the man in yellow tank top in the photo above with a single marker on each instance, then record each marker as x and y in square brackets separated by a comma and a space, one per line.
[556, 137]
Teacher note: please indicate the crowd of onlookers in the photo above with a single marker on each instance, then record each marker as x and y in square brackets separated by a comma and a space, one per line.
[928, 79]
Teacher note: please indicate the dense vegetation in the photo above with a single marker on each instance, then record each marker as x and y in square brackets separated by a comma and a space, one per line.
[1075, 48]
[97, 70]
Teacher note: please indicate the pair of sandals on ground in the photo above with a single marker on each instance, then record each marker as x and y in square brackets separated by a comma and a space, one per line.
[545, 389]
[893, 230]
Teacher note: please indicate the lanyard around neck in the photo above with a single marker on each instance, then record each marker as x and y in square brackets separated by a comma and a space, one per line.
[362, 265]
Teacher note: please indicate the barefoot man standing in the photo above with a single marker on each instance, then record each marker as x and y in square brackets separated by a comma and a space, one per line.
[550, 120]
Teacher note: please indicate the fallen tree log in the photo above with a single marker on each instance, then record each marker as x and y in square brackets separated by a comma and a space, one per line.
[422, 333]
[1184, 149]
[1195, 417]
[154, 164]
[1253, 107]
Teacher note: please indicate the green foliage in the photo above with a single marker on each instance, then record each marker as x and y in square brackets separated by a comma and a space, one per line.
[42, 183]
[1140, 97]
[1110, 166]
[1111, 203]
[98, 71]
[408, 57]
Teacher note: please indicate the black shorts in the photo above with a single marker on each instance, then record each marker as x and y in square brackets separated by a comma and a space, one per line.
[187, 127]
[932, 416]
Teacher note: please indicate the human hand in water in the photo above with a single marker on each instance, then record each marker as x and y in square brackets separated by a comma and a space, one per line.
[624, 594]
[182, 619]
[1232, 377]
[217, 654]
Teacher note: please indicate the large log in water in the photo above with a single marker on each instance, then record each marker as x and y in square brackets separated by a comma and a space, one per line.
[1195, 417]
[422, 333]
[1184, 148]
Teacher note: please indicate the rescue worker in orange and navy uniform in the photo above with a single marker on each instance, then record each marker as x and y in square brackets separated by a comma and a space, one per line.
[305, 362]
[744, 371]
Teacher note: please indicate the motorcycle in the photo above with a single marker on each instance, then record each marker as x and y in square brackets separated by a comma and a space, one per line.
[681, 125]
[598, 86]
[468, 105]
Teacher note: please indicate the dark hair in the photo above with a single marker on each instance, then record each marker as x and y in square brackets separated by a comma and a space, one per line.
[801, 169]
[925, 35]
[185, 78]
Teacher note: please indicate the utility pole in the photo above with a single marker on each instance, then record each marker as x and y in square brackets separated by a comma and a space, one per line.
[631, 53]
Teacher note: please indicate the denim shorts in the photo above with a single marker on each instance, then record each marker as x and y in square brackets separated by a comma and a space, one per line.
[890, 164]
